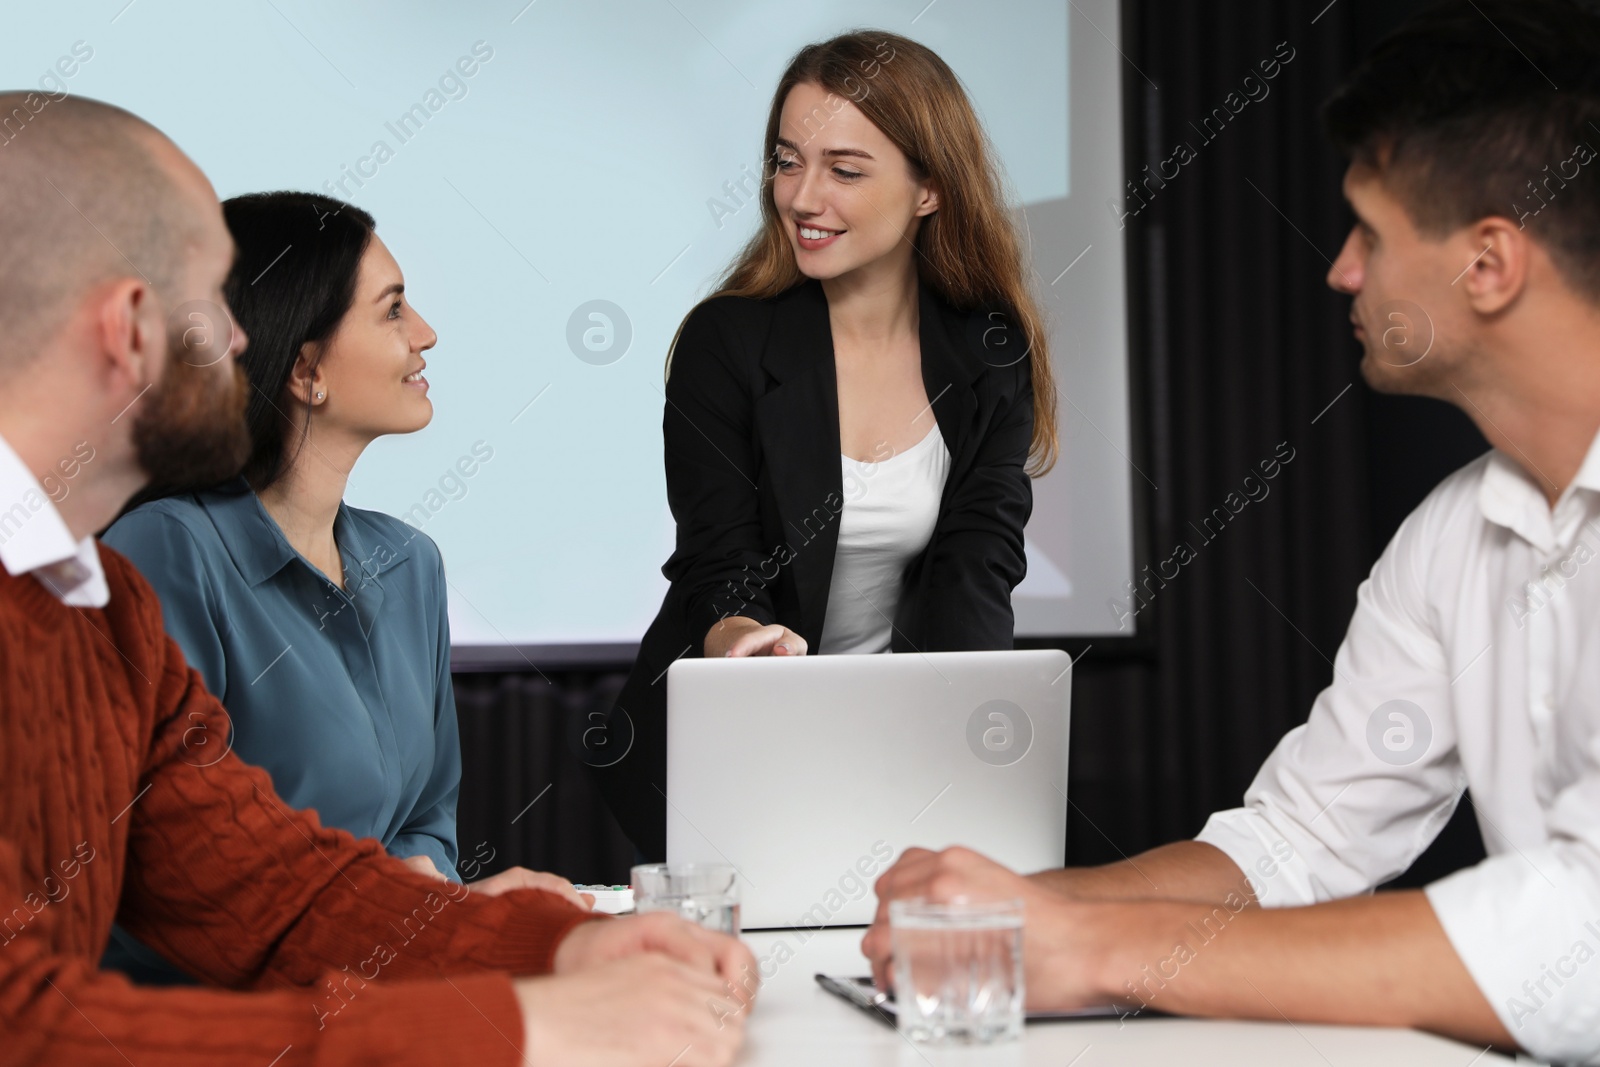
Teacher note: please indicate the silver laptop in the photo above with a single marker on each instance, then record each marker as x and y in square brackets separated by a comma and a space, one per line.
[811, 775]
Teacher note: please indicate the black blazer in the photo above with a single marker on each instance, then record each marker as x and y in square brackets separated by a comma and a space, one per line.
[751, 429]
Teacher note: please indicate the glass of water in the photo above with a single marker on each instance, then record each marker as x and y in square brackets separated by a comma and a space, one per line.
[703, 893]
[958, 970]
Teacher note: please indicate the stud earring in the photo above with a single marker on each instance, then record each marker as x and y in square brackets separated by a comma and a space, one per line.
[319, 396]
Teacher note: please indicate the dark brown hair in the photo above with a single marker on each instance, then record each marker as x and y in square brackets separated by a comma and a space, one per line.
[1480, 108]
[293, 281]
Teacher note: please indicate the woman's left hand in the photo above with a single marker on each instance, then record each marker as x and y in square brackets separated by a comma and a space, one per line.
[522, 878]
[511, 878]
[423, 865]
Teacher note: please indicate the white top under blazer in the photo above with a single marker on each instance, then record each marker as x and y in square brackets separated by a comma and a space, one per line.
[890, 508]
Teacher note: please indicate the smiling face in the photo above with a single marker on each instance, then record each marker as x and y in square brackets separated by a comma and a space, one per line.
[1410, 314]
[847, 196]
[371, 373]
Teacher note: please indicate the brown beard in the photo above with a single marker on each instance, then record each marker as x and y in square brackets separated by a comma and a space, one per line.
[191, 431]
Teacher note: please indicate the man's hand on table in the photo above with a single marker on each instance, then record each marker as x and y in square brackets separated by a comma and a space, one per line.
[640, 1010]
[700, 949]
[1126, 932]
[640, 991]
[1061, 951]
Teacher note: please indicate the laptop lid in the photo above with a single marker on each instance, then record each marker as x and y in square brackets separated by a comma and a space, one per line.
[811, 774]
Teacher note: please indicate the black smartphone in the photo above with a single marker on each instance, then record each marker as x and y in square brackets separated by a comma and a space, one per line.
[861, 993]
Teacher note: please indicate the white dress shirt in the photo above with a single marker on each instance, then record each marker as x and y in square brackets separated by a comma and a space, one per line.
[1472, 662]
[35, 540]
[891, 507]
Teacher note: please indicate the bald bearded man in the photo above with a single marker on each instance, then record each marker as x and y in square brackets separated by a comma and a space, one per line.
[117, 789]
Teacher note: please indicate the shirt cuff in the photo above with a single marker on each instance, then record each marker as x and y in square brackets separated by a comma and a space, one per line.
[1529, 935]
[1278, 877]
[417, 843]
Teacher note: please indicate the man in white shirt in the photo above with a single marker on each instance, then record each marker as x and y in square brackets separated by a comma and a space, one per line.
[1473, 658]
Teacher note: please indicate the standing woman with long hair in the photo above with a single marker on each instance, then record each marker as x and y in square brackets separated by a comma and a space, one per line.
[320, 627]
[852, 417]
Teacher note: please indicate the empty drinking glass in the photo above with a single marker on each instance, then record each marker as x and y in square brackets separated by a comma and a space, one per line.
[958, 970]
[703, 893]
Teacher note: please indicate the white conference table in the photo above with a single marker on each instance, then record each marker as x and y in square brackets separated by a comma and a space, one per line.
[797, 1024]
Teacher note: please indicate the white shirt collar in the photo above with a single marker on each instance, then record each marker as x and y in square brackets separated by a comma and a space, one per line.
[35, 540]
[1508, 496]
[1588, 476]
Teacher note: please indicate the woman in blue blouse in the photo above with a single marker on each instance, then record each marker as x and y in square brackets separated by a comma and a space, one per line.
[322, 628]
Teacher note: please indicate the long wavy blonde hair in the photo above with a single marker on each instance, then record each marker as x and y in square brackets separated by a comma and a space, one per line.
[968, 251]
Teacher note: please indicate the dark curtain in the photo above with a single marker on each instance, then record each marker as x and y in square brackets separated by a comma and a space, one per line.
[1240, 355]
[1241, 350]
[525, 799]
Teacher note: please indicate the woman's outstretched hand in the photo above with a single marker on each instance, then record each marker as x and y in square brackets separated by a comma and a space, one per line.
[511, 878]
[740, 636]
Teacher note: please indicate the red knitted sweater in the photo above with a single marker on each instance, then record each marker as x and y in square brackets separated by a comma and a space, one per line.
[115, 786]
